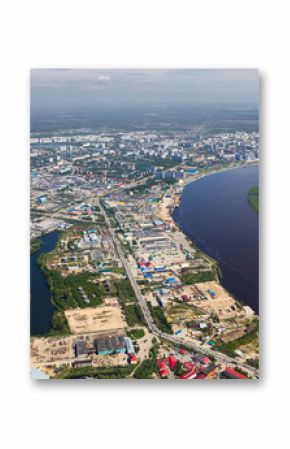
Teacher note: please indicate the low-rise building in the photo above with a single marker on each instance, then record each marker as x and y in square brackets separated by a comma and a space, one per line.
[110, 345]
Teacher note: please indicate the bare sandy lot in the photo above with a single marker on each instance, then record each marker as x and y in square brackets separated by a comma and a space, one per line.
[100, 361]
[100, 319]
[223, 304]
[51, 350]
[164, 208]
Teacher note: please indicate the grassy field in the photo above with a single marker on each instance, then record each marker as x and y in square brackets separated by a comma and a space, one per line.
[135, 334]
[160, 319]
[114, 372]
[124, 291]
[134, 315]
[188, 277]
[253, 198]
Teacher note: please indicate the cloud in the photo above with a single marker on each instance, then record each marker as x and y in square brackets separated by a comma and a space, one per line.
[104, 78]
[178, 86]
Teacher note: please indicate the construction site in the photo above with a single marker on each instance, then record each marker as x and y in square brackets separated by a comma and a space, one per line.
[101, 319]
[53, 353]
[214, 299]
[87, 326]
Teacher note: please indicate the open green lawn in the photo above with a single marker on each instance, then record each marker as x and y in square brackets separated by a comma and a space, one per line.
[188, 277]
[135, 334]
[253, 198]
[114, 372]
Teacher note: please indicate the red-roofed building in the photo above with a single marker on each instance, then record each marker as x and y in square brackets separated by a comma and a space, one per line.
[202, 359]
[172, 361]
[188, 365]
[189, 375]
[182, 351]
[163, 372]
[162, 367]
[161, 363]
[133, 358]
[230, 373]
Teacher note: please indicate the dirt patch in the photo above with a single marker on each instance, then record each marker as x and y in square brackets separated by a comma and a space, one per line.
[102, 319]
[218, 301]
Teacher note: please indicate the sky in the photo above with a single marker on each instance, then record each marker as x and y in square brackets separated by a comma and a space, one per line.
[66, 88]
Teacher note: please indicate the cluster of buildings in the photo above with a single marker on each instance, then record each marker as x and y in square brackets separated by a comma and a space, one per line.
[107, 345]
[100, 161]
[185, 366]
[70, 168]
[161, 258]
[84, 248]
[52, 354]
[174, 145]
[138, 177]
[238, 146]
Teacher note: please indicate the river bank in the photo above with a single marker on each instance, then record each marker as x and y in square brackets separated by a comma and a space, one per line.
[167, 206]
[205, 174]
[41, 307]
[223, 228]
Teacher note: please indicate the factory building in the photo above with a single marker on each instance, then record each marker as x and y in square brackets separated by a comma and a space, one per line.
[81, 348]
[110, 345]
[82, 363]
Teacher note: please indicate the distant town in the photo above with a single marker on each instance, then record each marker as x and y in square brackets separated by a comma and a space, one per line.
[133, 297]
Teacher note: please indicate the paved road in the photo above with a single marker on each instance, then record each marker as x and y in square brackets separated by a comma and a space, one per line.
[149, 320]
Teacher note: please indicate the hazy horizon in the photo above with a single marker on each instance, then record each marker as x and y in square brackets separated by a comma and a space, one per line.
[70, 89]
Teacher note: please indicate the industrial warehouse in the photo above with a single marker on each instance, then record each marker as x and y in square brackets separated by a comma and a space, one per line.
[111, 345]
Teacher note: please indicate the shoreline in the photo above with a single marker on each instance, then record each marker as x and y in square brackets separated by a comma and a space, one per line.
[178, 189]
[176, 202]
[40, 266]
[216, 172]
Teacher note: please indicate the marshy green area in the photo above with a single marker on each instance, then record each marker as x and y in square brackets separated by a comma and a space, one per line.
[253, 198]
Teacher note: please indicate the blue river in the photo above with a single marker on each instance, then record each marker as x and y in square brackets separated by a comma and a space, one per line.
[41, 307]
[214, 213]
